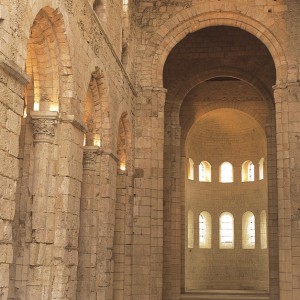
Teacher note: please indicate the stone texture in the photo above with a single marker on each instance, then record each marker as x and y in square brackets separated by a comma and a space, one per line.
[101, 105]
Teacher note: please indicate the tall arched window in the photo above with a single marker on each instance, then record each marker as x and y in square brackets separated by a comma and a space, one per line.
[190, 229]
[226, 172]
[204, 230]
[263, 230]
[247, 171]
[226, 231]
[248, 230]
[261, 168]
[191, 169]
[205, 172]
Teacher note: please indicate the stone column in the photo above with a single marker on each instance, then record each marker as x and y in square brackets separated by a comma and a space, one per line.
[43, 206]
[88, 226]
[272, 212]
[105, 226]
[287, 98]
[172, 213]
[148, 191]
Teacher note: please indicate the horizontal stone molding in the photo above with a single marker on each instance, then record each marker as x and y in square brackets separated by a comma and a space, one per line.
[74, 121]
[15, 71]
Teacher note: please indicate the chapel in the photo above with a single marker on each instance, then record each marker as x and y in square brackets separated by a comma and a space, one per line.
[149, 149]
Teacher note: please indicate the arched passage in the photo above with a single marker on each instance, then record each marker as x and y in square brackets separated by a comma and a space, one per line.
[203, 74]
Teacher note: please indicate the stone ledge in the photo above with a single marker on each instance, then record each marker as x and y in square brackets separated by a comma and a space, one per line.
[15, 71]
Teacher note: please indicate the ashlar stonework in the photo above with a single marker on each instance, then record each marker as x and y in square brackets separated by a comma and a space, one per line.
[116, 121]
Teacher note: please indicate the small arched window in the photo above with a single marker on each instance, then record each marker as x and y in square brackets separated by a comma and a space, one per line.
[125, 5]
[261, 168]
[191, 169]
[205, 172]
[263, 230]
[205, 230]
[226, 231]
[247, 171]
[190, 229]
[226, 172]
[248, 230]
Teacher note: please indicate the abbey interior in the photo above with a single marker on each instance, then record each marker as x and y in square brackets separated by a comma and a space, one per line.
[149, 149]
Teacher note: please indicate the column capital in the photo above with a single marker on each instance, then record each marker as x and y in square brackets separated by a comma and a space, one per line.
[90, 154]
[44, 126]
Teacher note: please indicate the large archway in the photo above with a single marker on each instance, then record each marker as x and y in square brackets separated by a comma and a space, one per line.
[217, 68]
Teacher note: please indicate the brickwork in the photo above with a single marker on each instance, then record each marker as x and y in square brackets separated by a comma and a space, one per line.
[73, 223]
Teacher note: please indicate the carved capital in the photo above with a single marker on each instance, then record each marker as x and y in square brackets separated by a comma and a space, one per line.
[44, 126]
[90, 154]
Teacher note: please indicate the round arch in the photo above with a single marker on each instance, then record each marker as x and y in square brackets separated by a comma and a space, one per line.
[200, 17]
[178, 96]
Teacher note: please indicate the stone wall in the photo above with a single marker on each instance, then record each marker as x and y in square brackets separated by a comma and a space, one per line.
[61, 45]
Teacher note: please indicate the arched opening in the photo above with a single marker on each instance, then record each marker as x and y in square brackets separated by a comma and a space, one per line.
[248, 230]
[191, 169]
[123, 231]
[34, 224]
[205, 172]
[222, 118]
[205, 230]
[226, 231]
[226, 172]
[247, 171]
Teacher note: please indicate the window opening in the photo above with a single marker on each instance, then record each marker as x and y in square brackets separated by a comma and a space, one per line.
[247, 171]
[205, 172]
[226, 231]
[226, 171]
[191, 169]
[205, 230]
[248, 222]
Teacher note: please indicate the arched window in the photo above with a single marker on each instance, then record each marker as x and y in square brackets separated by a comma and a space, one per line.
[226, 231]
[125, 5]
[204, 230]
[247, 171]
[263, 230]
[190, 229]
[261, 168]
[226, 172]
[205, 172]
[191, 169]
[248, 230]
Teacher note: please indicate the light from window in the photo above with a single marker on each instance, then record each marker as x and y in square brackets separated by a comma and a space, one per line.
[248, 224]
[191, 169]
[261, 169]
[263, 230]
[226, 231]
[247, 171]
[190, 229]
[205, 172]
[125, 5]
[226, 172]
[205, 230]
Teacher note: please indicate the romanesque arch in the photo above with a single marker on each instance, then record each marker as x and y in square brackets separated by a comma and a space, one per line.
[35, 225]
